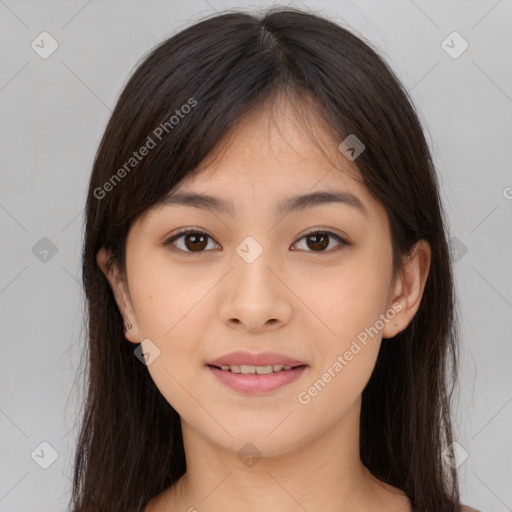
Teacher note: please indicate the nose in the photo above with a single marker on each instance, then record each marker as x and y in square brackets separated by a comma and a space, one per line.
[255, 296]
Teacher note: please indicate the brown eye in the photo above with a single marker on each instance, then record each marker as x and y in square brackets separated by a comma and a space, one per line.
[195, 241]
[189, 241]
[318, 241]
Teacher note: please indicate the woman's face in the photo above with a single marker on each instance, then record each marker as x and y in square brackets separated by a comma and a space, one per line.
[256, 283]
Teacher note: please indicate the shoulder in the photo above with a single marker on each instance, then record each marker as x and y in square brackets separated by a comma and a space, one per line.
[469, 509]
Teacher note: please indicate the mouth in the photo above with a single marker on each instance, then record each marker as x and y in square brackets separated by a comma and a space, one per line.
[256, 380]
[247, 369]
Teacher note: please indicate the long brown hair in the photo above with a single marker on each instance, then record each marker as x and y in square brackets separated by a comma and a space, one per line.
[180, 102]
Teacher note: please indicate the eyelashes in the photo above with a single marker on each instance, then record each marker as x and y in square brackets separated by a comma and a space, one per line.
[201, 241]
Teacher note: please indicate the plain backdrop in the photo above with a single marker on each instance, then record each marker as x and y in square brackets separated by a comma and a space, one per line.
[53, 110]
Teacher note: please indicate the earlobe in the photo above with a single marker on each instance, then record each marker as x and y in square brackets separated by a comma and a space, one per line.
[409, 288]
[121, 295]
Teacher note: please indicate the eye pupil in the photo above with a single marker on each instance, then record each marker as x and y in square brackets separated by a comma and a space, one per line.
[199, 241]
[316, 243]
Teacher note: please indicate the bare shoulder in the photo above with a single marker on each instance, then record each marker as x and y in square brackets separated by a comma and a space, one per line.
[465, 508]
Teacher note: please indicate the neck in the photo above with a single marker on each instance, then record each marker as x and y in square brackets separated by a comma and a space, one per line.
[324, 473]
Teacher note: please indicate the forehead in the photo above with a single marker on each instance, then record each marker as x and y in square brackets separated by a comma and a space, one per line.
[277, 151]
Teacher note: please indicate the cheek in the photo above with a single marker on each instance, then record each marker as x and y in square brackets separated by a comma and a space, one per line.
[348, 349]
[173, 310]
[164, 295]
[350, 301]
[349, 304]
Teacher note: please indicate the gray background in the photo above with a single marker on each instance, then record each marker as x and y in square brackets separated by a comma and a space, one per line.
[53, 113]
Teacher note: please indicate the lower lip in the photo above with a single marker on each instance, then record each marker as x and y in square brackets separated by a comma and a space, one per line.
[254, 383]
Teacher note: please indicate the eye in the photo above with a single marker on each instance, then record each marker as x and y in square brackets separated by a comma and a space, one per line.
[318, 240]
[193, 241]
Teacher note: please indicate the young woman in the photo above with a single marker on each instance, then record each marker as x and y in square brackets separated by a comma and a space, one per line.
[269, 290]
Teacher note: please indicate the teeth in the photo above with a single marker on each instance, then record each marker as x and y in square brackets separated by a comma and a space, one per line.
[260, 370]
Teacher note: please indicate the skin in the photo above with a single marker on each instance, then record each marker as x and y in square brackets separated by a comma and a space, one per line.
[292, 299]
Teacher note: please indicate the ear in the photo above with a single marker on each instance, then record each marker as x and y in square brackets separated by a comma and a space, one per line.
[409, 287]
[121, 294]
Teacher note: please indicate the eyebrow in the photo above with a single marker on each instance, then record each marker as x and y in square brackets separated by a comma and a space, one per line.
[295, 203]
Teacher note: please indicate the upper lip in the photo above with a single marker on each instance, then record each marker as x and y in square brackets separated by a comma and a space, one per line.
[262, 359]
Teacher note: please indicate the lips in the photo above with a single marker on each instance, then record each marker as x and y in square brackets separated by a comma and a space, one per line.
[255, 384]
[248, 359]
